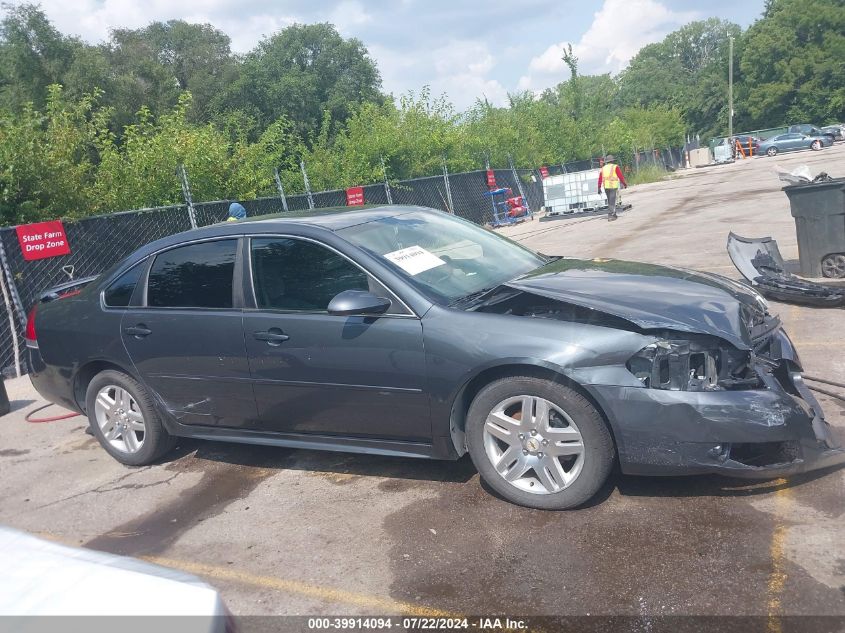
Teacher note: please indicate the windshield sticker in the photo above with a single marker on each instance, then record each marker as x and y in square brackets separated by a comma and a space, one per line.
[414, 260]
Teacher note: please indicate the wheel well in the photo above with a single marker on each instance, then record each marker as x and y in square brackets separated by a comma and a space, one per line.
[86, 374]
[460, 407]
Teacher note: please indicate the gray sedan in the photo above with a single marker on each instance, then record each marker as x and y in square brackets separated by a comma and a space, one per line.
[406, 331]
[791, 142]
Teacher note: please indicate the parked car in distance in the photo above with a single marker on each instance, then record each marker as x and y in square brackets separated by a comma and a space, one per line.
[810, 130]
[838, 131]
[793, 141]
[406, 331]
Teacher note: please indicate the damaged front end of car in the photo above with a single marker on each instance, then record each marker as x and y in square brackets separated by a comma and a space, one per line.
[710, 407]
[705, 399]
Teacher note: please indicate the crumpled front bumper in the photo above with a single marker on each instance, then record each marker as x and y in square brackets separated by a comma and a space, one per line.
[776, 431]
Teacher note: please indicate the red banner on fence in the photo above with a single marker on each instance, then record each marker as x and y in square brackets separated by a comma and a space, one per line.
[42, 240]
[491, 179]
[354, 196]
[544, 172]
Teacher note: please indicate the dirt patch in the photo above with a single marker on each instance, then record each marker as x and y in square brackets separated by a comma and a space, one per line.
[13, 452]
[680, 208]
[227, 475]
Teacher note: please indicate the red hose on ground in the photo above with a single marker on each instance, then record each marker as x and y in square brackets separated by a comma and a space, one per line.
[54, 418]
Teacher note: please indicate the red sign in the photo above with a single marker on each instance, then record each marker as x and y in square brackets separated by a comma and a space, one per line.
[42, 240]
[354, 196]
[491, 179]
[544, 172]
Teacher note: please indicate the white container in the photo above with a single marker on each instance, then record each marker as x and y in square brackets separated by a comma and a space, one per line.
[573, 193]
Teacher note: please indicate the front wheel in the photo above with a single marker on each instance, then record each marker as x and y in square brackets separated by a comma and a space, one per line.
[124, 420]
[816, 145]
[538, 443]
[772, 151]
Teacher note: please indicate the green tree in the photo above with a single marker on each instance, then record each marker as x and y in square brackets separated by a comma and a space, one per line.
[152, 65]
[792, 64]
[688, 70]
[48, 158]
[301, 72]
[33, 55]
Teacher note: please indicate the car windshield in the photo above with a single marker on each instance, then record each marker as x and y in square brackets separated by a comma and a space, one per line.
[446, 258]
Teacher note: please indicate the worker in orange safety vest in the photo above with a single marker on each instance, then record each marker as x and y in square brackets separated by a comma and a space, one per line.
[611, 177]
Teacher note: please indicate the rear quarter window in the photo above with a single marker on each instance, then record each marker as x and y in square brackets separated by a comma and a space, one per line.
[119, 293]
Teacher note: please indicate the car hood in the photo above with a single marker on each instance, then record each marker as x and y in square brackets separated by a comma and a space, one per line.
[652, 297]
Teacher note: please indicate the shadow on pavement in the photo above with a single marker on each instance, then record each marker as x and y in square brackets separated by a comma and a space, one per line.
[709, 485]
[324, 461]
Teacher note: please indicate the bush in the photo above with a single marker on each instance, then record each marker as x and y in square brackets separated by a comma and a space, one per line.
[646, 174]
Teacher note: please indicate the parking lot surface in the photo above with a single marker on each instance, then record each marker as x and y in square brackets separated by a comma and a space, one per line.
[300, 532]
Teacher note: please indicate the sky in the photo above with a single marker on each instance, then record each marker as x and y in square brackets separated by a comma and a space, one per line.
[467, 49]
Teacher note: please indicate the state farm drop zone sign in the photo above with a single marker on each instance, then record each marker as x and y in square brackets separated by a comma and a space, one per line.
[42, 240]
[354, 196]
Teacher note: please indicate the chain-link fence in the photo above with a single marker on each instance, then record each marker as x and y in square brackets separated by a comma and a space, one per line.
[99, 242]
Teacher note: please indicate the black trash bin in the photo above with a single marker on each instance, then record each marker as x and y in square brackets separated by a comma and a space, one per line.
[819, 212]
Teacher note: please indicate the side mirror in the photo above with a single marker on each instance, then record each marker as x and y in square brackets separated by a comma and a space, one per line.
[358, 302]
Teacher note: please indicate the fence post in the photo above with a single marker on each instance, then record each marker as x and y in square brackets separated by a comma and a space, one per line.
[186, 192]
[13, 288]
[13, 302]
[519, 186]
[281, 189]
[449, 202]
[13, 330]
[386, 183]
[307, 184]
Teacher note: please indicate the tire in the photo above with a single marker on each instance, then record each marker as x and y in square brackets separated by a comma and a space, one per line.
[565, 419]
[111, 392]
[772, 151]
[816, 145]
[833, 266]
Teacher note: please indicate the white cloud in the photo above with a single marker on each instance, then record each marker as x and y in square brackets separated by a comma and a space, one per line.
[619, 29]
[93, 19]
[349, 13]
[462, 69]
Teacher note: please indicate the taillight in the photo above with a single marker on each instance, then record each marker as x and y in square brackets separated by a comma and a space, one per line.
[30, 324]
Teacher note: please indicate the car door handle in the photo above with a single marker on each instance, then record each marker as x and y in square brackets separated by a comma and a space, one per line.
[138, 331]
[273, 336]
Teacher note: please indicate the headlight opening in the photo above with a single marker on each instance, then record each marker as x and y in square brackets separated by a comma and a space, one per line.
[693, 365]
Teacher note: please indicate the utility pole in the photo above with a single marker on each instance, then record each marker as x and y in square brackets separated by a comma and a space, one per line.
[730, 87]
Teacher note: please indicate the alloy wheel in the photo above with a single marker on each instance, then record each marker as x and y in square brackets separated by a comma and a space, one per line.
[120, 419]
[833, 266]
[533, 444]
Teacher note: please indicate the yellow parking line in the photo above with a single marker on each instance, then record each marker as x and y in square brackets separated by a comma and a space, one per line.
[777, 575]
[329, 594]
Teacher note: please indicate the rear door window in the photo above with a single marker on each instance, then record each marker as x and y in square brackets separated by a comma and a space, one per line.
[193, 276]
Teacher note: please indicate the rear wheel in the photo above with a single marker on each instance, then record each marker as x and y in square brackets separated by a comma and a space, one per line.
[816, 145]
[538, 443]
[772, 151]
[124, 420]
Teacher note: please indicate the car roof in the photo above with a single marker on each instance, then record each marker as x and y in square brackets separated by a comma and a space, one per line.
[331, 219]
